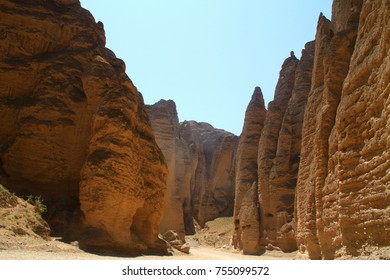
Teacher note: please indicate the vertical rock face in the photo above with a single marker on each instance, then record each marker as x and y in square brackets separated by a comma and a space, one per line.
[246, 221]
[74, 128]
[212, 184]
[268, 157]
[278, 170]
[201, 166]
[269, 195]
[177, 214]
[343, 198]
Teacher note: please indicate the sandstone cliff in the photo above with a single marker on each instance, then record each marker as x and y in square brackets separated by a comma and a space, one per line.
[201, 167]
[279, 162]
[247, 217]
[268, 161]
[74, 128]
[212, 183]
[177, 214]
[342, 205]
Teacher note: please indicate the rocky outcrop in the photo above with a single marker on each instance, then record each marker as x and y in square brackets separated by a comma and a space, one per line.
[212, 183]
[247, 221]
[342, 205]
[176, 242]
[20, 219]
[74, 128]
[177, 214]
[279, 161]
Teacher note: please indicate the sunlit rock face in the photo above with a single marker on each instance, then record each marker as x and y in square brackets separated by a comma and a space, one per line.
[74, 129]
[279, 151]
[246, 208]
[268, 161]
[343, 197]
[323, 153]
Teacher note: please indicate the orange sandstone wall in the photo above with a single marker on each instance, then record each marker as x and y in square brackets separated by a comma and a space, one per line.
[74, 128]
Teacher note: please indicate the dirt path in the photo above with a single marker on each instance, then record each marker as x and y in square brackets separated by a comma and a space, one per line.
[55, 250]
[200, 253]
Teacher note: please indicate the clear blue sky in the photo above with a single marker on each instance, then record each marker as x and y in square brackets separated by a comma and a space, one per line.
[207, 55]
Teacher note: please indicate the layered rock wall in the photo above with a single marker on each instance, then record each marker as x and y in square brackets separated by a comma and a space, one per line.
[74, 128]
[201, 162]
[277, 191]
[212, 184]
[342, 203]
[269, 195]
[177, 214]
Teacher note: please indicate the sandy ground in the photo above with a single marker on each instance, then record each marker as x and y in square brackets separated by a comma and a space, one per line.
[56, 250]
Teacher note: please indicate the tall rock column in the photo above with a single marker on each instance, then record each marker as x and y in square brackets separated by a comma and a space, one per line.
[247, 221]
[335, 42]
[280, 194]
[268, 147]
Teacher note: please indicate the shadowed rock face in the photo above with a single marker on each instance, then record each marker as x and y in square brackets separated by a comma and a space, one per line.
[343, 197]
[74, 128]
[212, 183]
[247, 217]
[177, 214]
[201, 166]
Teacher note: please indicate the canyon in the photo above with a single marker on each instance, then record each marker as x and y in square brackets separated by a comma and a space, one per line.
[309, 173]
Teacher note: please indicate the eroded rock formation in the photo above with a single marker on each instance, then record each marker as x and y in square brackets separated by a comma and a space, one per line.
[247, 217]
[279, 161]
[74, 128]
[177, 214]
[268, 160]
[339, 147]
[212, 184]
[343, 196]
[201, 166]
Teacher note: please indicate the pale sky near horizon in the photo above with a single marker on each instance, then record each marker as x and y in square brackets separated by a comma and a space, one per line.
[207, 55]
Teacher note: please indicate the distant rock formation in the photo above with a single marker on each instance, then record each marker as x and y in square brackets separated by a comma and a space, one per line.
[74, 128]
[212, 184]
[177, 214]
[201, 169]
[343, 192]
[247, 218]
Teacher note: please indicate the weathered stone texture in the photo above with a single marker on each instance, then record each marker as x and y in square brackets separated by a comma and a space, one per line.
[277, 200]
[212, 183]
[246, 175]
[343, 200]
[268, 148]
[74, 129]
[177, 214]
[201, 166]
